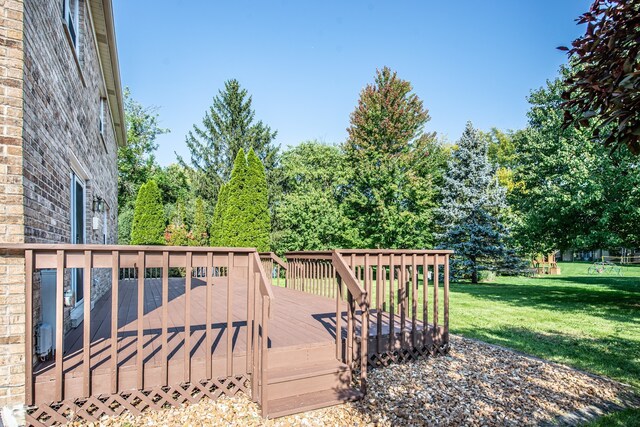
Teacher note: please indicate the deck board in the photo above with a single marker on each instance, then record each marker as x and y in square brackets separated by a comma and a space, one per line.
[298, 319]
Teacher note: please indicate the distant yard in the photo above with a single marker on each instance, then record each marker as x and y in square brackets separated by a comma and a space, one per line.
[591, 322]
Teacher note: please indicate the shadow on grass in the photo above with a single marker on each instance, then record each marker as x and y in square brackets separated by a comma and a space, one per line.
[622, 305]
[612, 357]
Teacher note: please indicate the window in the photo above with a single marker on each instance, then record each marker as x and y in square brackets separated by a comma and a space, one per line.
[70, 14]
[101, 117]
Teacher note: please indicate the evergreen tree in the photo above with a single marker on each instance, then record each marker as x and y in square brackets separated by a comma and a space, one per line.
[258, 222]
[469, 216]
[390, 195]
[199, 235]
[148, 216]
[233, 210]
[228, 127]
[217, 224]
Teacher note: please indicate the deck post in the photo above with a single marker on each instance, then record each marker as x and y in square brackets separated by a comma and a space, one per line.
[140, 325]
[28, 342]
[86, 337]
[59, 324]
[187, 317]
[436, 283]
[115, 282]
[165, 318]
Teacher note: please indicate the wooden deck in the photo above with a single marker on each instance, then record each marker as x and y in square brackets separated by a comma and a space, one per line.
[298, 319]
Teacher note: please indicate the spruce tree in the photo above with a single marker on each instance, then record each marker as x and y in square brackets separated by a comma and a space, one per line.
[148, 216]
[227, 127]
[470, 214]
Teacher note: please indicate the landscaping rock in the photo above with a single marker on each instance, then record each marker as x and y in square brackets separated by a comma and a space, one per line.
[477, 384]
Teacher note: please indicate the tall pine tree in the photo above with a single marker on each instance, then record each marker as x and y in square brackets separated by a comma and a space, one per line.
[469, 216]
[228, 127]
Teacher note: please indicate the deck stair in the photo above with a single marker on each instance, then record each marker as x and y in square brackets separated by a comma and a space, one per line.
[306, 378]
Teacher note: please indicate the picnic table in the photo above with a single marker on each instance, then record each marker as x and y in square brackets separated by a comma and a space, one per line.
[604, 267]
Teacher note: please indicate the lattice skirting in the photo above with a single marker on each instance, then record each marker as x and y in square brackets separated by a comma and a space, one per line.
[134, 401]
[378, 360]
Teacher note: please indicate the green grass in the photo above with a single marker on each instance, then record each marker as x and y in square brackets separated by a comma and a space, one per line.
[591, 322]
[626, 418]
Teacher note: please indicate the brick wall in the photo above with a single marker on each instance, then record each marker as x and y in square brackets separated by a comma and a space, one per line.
[49, 112]
[12, 292]
[63, 88]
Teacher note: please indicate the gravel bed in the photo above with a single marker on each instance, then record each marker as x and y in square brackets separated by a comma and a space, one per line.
[477, 384]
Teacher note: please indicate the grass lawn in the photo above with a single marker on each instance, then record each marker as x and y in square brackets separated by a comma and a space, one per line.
[591, 322]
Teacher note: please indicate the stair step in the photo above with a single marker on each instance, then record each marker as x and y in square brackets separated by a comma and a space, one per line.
[310, 401]
[300, 371]
[300, 379]
[285, 357]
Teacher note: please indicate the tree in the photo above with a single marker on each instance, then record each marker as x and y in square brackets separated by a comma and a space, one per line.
[228, 127]
[125, 222]
[148, 216]
[241, 217]
[136, 160]
[310, 216]
[574, 193]
[390, 196]
[469, 216]
[606, 80]
[199, 235]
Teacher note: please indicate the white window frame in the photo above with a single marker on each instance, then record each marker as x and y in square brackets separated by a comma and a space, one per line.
[71, 13]
[101, 118]
[77, 179]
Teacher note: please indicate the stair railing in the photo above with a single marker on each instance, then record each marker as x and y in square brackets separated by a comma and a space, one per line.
[259, 299]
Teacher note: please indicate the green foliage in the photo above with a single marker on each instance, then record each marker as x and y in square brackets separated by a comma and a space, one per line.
[199, 235]
[228, 127]
[470, 216]
[136, 161]
[391, 194]
[310, 216]
[574, 193]
[148, 217]
[125, 222]
[606, 80]
[241, 216]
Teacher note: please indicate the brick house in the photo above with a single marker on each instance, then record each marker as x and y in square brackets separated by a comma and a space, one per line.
[61, 120]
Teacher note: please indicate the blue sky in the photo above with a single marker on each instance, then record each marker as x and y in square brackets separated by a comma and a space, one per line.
[305, 62]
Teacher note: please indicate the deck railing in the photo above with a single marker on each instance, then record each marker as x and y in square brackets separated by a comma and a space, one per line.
[226, 266]
[273, 266]
[397, 293]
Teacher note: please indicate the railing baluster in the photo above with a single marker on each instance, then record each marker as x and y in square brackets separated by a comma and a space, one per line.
[257, 361]
[165, 318]
[187, 318]
[425, 299]
[28, 373]
[230, 318]
[140, 338]
[59, 324]
[115, 288]
[209, 314]
[436, 281]
[251, 286]
[264, 355]
[379, 298]
[86, 336]
[414, 299]
[338, 317]
[364, 339]
[402, 287]
[392, 297]
[446, 299]
[350, 310]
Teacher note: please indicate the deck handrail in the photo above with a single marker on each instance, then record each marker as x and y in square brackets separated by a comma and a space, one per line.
[349, 279]
[275, 258]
